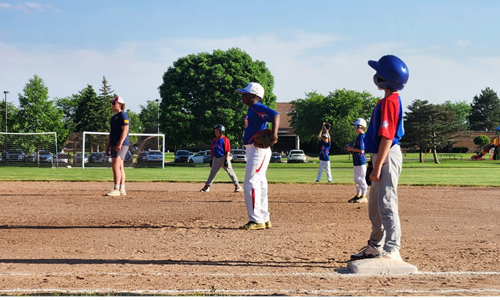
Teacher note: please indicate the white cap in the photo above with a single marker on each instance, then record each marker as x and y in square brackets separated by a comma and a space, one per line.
[252, 88]
[325, 135]
[118, 99]
[359, 121]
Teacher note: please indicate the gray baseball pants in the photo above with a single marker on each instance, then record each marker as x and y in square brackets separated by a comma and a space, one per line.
[217, 163]
[383, 202]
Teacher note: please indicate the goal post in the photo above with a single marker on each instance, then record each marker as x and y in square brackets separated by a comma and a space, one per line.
[28, 149]
[95, 144]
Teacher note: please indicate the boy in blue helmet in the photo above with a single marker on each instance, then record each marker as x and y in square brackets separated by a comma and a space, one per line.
[382, 141]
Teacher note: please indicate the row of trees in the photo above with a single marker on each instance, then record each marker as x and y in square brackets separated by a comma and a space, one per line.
[198, 92]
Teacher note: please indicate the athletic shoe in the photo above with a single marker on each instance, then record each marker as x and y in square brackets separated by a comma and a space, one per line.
[361, 200]
[353, 199]
[268, 224]
[238, 189]
[317, 180]
[114, 193]
[392, 255]
[368, 251]
[253, 226]
[206, 188]
[123, 193]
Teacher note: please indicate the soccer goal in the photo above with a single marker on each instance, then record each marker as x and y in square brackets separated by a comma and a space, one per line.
[28, 149]
[145, 150]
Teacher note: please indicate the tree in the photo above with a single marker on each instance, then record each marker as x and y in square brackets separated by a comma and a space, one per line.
[149, 115]
[135, 126]
[89, 114]
[462, 109]
[199, 92]
[36, 113]
[340, 109]
[485, 111]
[69, 106]
[481, 141]
[106, 96]
[430, 126]
[12, 112]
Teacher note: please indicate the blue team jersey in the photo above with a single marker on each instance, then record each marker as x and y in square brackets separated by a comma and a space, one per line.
[386, 121]
[220, 146]
[324, 151]
[359, 159]
[116, 123]
[256, 120]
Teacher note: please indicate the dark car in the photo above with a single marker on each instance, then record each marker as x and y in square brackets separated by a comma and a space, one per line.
[276, 157]
[182, 156]
[97, 157]
[142, 157]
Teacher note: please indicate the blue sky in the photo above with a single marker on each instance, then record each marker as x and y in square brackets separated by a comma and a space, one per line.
[452, 48]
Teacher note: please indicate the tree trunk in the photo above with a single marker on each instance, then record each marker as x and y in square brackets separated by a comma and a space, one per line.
[434, 153]
[421, 155]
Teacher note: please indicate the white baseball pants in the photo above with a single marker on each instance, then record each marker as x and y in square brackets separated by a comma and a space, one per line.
[360, 180]
[255, 185]
[324, 164]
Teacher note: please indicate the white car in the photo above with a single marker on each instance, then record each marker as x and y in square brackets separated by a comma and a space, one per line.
[154, 155]
[238, 155]
[200, 157]
[62, 157]
[296, 156]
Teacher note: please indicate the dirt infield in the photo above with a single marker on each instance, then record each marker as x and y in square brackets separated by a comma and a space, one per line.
[168, 238]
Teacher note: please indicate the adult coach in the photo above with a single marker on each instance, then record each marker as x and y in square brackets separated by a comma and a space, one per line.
[255, 185]
[118, 145]
[382, 141]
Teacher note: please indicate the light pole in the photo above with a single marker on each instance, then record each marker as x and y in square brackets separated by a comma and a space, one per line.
[158, 120]
[6, 92]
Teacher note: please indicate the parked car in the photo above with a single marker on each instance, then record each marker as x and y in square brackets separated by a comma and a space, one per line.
[238, 155]
[296, 156]
[200, 157]
[43, 156]
[129, 158]
[181, 156]
[78, 158]
[142, 157]
[276, 157]
[62, 157]
[97, 157]
[16, 155]
[154, 156]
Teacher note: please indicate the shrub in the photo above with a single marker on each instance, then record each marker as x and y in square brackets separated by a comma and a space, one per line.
[460, 150]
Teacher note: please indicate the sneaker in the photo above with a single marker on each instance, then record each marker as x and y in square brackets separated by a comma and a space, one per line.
[123, 193]
[113, 193]
[353, 199]
[317, 180]
[361, 200]
[206, 188]
[392, 255]
[253, 226]
[268, 224]
[368, 251]
[238, 189]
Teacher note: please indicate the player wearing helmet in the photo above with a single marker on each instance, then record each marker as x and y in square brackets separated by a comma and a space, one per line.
[382, 141]
[219, 158]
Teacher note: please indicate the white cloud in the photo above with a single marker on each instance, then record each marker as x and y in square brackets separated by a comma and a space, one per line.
[301, 63]
[462, 43]
[29, 7]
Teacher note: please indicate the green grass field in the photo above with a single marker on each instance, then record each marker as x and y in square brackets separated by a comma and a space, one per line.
[456, 170]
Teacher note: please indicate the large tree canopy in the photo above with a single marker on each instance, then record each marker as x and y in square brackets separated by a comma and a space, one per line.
[339, 108]
[199, 92]
[485, 113]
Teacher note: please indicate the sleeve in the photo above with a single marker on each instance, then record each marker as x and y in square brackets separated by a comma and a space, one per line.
[269, 114]
[227, 145]
[388, 118]
[125, 120]
[361, 142]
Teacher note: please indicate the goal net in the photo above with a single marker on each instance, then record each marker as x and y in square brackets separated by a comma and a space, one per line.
[145, 150]
[28, 149]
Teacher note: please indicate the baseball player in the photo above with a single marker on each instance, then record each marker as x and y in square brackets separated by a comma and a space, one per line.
[255, 185]
[118, 144]
[382, 141]
[325, 143]
[359, 162]
[219, 158]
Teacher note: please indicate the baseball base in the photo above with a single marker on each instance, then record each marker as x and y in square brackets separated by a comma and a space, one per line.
[381, 265]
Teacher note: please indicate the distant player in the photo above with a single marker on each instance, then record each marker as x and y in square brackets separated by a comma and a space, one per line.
[382, 141]
[325, 143]
[219, 158]
[118, 145]
[255, 186]
[359, 162]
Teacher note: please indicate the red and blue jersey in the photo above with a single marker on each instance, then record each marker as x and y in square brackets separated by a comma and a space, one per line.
[386, 121]
[359, 159]
[256, 121]
[324, 151]
[220, 146]
[116, 123]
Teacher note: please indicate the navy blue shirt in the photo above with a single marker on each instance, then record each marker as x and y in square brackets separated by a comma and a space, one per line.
[116, 123]
[359, 159]
[324, 152]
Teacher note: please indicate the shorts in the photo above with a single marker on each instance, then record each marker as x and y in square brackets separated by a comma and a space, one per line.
[122, 153]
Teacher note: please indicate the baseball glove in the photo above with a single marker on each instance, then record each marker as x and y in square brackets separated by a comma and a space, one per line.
[226, 164]
[265, 139]
[327, 126]
[369, 170]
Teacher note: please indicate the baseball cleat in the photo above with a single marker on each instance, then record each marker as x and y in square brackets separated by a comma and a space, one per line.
[268, 224]
[206, 188]
[392, 255]
[238, 189]
[361, 200]
[253, 226]
[113, 193]
[123, 193]
[353, 199]
[368, 251]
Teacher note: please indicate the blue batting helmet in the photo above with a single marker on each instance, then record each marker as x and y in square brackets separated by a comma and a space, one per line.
[221, 128]
[392, 72]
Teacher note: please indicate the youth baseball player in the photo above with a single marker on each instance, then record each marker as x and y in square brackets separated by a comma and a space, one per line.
[255, 185]
[325, 143]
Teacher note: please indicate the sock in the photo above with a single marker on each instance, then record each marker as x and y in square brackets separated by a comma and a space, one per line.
[116, 186]
[122, 187]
